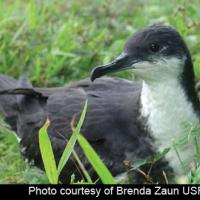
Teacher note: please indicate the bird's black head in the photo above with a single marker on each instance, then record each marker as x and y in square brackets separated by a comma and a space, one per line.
[154, 42]
[155, 52]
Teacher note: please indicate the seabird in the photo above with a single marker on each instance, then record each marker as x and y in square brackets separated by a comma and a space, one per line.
[126, 120]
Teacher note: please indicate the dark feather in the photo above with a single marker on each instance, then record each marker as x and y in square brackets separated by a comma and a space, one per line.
[112, 123]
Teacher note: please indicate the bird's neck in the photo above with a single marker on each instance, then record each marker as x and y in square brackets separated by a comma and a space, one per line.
[166, 107]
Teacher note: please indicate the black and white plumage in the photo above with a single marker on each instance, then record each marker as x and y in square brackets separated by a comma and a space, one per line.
[126, 121]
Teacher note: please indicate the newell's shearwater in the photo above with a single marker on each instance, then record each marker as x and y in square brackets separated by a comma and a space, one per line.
[126, 120]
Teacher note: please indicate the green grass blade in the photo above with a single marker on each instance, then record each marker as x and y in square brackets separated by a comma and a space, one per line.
[70, 145]
[47, 155]
[82, 167]
[196, 178]
[95, 161]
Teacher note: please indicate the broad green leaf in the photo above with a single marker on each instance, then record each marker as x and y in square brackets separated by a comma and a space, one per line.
[47, 154]
[95, 161]
[72, 141]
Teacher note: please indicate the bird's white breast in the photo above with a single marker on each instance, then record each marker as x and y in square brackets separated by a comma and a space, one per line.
[166, 107]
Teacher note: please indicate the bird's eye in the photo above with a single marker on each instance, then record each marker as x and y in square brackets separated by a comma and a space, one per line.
[154, 47]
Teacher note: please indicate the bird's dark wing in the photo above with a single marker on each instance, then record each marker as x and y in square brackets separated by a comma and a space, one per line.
[112, 123]
[109, 125]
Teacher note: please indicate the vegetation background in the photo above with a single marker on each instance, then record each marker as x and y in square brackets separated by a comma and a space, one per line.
[55, 42]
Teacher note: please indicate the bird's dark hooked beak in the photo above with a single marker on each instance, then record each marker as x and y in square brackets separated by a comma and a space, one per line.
[122, 62]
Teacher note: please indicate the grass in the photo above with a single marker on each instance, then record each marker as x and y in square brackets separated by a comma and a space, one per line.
[53, 172]
[13, 168]
[55, 42]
